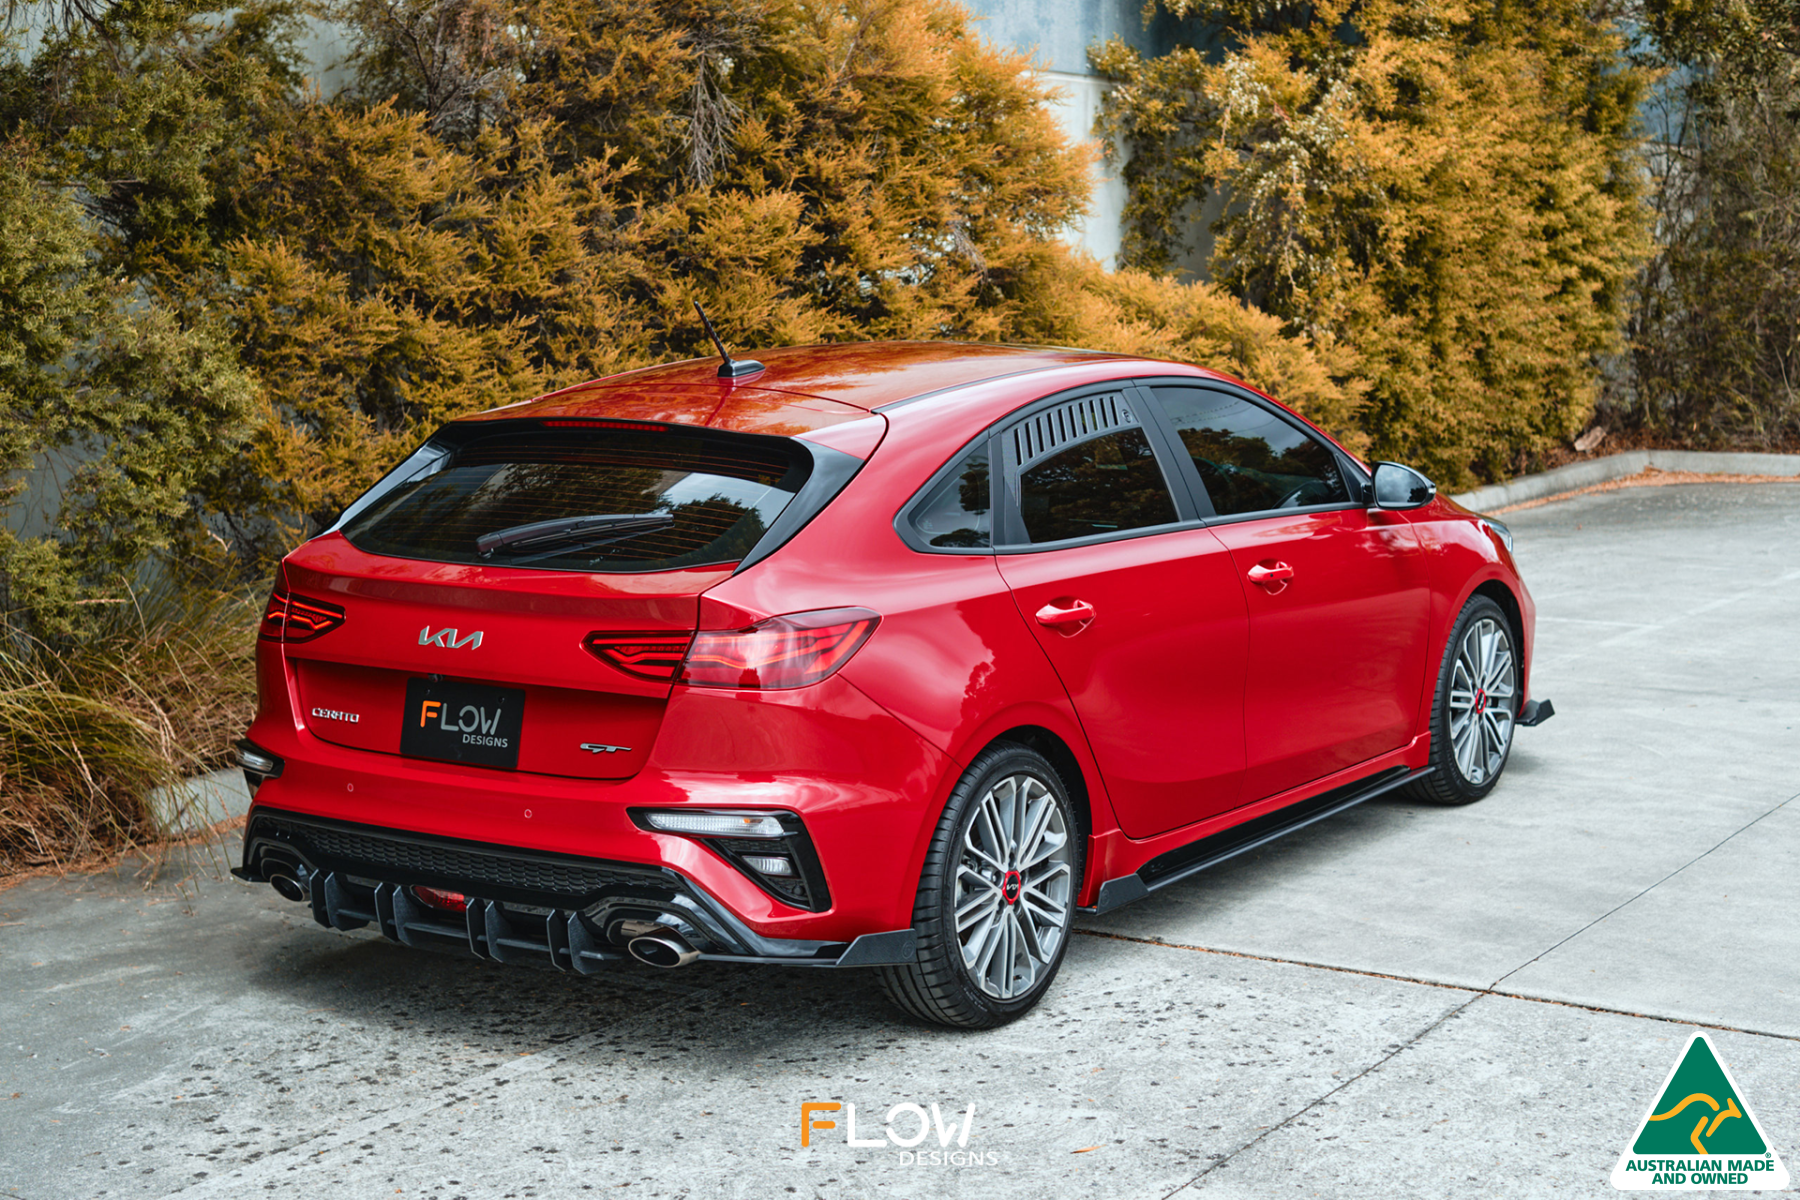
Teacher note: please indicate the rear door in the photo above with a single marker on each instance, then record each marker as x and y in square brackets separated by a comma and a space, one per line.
[520, 593]
[1338, 595]
[1136, 605]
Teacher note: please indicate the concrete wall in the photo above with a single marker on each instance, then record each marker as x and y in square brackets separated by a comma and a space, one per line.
[1057, 34]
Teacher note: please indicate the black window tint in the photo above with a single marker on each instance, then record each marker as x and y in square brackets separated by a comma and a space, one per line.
[1250, 459]
[1101, 485]
[956, 513]
[715, 498]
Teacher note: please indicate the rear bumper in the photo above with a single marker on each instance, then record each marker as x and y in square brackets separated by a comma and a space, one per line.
[524, 905]
[867, 788]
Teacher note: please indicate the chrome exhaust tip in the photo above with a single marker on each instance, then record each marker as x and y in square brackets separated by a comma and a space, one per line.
[664, 948]
[291, 882]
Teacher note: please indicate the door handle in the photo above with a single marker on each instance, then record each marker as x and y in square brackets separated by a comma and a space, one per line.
[1075, 612]
[1279, 573]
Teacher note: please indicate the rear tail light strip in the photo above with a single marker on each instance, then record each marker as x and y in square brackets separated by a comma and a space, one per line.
[653, 656]
[781, 652]
[290, 618]
[788, 651]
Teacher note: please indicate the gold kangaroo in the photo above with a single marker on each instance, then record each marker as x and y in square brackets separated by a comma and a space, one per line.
[1731, 1110]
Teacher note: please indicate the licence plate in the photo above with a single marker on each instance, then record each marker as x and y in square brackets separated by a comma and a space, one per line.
[462, 722]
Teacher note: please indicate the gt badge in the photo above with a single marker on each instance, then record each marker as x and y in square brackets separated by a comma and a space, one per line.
[597, 748]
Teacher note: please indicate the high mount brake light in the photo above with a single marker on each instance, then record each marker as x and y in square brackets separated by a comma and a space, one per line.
[781, 652]
[653, 656]
[596, 423]
[291, 618]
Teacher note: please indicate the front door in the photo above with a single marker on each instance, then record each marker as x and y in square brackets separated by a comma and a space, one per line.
[1338, 595]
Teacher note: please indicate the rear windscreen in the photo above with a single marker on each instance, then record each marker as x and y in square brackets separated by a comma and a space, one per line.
[585, 499]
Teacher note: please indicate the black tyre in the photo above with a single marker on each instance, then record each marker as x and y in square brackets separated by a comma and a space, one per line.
[1474, 707]
[997, 897]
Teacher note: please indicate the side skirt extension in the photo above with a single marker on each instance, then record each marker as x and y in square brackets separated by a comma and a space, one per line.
[1186, 861]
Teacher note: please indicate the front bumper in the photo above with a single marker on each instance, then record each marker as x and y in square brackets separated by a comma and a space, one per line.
[524, 905]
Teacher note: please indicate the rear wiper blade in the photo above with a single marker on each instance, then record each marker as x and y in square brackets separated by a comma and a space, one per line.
[595, 530]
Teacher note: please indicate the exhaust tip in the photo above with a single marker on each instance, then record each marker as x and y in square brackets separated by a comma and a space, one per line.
[666, 949]
[291, 881]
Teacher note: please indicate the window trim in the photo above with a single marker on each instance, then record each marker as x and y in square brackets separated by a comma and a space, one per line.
[1009, 524]
[909, 533]
[1356, 480]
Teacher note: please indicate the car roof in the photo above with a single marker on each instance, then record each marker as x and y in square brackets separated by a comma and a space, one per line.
[800, 388]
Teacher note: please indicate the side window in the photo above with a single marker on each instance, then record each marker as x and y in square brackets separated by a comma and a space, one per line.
[1087, 468]
[956, 513]
[1250, 459]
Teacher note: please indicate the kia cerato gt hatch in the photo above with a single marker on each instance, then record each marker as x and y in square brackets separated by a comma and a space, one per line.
[892, 656]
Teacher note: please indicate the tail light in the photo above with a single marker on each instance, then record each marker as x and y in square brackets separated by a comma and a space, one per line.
[291, 618]
[653, 656]
[781, 652]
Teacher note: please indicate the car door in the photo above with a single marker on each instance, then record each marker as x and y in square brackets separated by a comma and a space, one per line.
[1337, 594]
[1135, 603]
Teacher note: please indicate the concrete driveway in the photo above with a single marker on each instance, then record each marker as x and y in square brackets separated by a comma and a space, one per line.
[1401, 1001]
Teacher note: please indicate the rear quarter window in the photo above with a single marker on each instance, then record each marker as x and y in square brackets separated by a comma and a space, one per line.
[957, 513]
[547, 498]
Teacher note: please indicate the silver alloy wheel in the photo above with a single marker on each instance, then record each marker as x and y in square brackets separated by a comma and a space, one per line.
[1483, 695]
[1014, 884]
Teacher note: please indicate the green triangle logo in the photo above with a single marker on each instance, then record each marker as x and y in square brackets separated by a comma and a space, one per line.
[1698, 1111]
[1699, 1133]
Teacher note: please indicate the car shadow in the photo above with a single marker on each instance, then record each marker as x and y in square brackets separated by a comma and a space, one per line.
[502, 1009]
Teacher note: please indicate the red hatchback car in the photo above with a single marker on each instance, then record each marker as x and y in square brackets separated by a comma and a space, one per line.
[896, 655]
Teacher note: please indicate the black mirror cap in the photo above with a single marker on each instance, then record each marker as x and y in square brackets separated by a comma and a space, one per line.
[1401, 487]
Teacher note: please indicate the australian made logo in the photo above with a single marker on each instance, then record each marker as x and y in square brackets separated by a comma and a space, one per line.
[1700, 1133]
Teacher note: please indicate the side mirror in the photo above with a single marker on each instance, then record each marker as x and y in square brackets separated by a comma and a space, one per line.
[1401, 487]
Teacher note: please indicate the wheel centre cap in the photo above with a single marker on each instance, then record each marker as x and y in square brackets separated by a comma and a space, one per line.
[1480, 700]
[1011, 886]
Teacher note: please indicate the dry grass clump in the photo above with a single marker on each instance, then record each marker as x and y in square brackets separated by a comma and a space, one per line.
[86, 731]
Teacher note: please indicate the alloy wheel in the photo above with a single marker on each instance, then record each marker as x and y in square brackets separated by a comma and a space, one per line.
[1014, 885]
[1483, 695]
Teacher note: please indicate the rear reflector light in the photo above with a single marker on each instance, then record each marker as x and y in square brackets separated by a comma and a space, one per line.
[716, 824]
[291, 618]
[448, 901]
[771, 849]
[254, 759]
[781, 652]
[643, 655]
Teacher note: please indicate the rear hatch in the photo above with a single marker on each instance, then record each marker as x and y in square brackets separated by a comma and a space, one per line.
[518, 594]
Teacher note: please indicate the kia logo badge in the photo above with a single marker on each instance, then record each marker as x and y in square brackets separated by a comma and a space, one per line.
[447, 639]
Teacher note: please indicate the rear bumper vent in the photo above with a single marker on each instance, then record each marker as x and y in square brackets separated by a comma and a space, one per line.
[489, 872]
